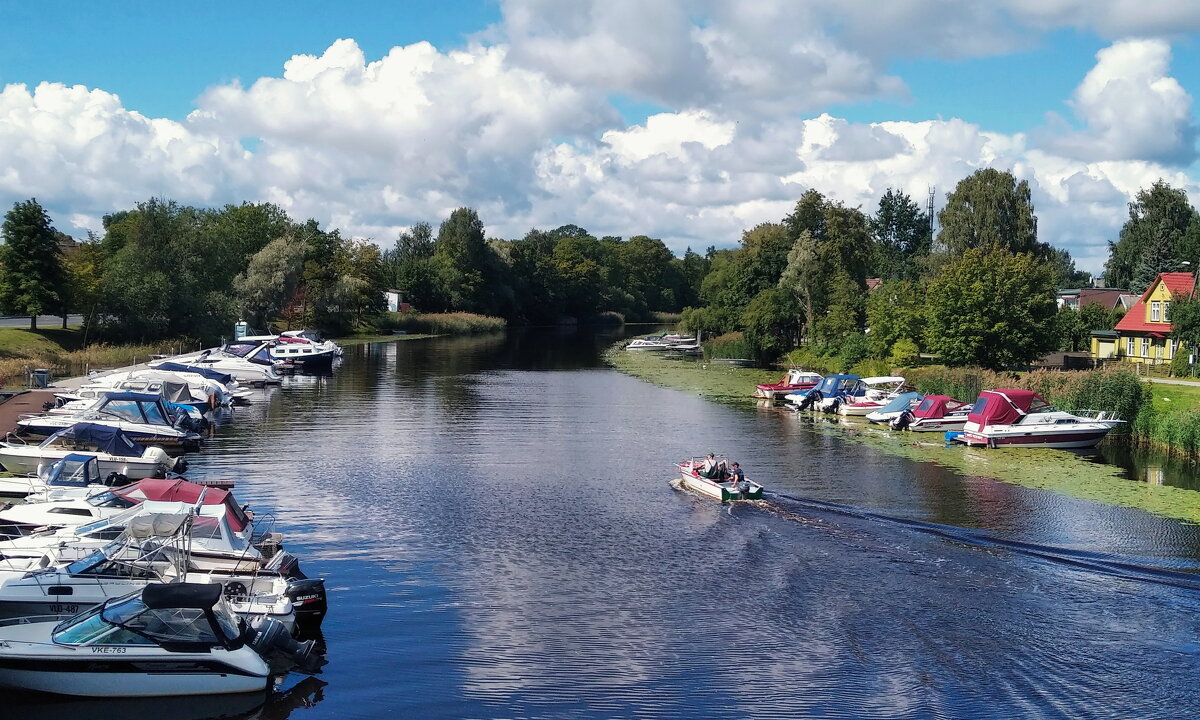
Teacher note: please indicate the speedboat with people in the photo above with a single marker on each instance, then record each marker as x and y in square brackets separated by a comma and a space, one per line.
[716, 477]
[895, 407]
[867, 395]
[830, 387]
[141, 416]
[156, 640]
[795, 380]
[1013, 417]
[113, 449]
[936, 413]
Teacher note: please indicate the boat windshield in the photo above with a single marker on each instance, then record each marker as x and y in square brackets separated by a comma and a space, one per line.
[154, 414]
[123, 409]
[72, 471]
[188, 626]
[109, 499]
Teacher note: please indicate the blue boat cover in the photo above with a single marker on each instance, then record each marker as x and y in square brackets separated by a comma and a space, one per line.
[104, 438]
[902, 402]
[223, 378]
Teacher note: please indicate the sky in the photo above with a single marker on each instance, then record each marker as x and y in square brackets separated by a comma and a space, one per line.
[686, 120]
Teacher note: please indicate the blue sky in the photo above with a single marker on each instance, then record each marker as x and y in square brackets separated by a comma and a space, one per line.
[689, 120]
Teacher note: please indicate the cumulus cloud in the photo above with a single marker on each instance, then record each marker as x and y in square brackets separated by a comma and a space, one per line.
[1131, 108]
[523, 130]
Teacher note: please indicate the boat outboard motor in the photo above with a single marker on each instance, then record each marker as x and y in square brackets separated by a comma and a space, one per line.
[308, 600]
[271, 636]
[832, 406]
[902, 421]
[813, 396]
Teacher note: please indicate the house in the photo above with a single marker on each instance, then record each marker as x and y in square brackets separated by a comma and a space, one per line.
[1144, 335]
[1108, 297]
[395, 301]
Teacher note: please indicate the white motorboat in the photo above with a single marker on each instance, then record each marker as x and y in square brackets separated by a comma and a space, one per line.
[1013, 417]
[295, 347]
[159, 640]
[653, 343]
[256, 367]
[712, 479]
[795, 380]
[868, 395]
[114, 451]
[152, 548]
[830, 387]
[895, 407]
[143, 417]
[185, 389]
[218, 543]
[936, 413]
[239, 393]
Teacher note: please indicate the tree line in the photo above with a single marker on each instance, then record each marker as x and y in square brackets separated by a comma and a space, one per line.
[164, 270]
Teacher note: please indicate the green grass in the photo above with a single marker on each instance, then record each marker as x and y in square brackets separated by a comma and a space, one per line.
[24, 343]
[1176, 398]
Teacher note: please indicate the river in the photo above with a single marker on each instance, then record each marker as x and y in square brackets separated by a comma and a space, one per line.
[500, 538]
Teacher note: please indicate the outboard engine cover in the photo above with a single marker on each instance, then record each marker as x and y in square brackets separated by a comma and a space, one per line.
[831, 407]
[902, 421]
[270, 636]
[813, 396]
[308, 600]
[116, 479]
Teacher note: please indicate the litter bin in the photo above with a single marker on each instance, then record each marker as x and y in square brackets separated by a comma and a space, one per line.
[41, 378]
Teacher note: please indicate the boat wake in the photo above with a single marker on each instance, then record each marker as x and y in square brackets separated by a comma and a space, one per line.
[1103, 563]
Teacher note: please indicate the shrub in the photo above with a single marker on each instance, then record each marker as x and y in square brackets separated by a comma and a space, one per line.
[730, 345]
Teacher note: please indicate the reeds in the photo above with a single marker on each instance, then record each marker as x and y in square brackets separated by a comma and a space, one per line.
[728, 346]
[456, 323]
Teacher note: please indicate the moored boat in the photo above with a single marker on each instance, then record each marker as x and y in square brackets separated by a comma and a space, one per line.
[693, 476]
[1012, 417]
[114, 451]
[866, 396]
[831, 386]
[160, 640]
[895, 407]
[794, 380]
[936, 413]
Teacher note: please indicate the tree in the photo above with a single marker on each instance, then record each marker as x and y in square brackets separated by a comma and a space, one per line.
[1158, 256]
[844, 315]
[1064, 267]
[901, 232]
[992, 308]
[895, 311]
[770, 324]
[1159, 214]
[1184, 315]
[804, 279]
[989, 207]
[32, 279]
[270, 280]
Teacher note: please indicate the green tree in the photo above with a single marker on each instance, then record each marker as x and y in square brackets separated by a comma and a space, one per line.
[271, 280]
[992, 308]
[804, 278]
[1158, 256]
[770, 324]
[989, 207]
[895, 311]
[31, 281]
[1158, 214]
[470, 271]
[1064, 268]
[1184, 315]
[901, 232]
[844, 315]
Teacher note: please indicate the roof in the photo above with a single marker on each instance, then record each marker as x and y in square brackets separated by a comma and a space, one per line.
[874, 284]
[1179, 285]
[1108, 298]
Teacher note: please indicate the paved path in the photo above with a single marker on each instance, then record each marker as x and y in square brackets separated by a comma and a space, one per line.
[1171, 381]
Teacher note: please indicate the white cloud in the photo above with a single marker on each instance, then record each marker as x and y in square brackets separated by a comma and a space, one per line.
[1131, 108]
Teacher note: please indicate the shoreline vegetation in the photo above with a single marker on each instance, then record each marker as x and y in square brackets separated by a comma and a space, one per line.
[1058, 471]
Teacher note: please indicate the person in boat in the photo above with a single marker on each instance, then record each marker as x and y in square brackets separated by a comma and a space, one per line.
[713, 469]
[737, 478]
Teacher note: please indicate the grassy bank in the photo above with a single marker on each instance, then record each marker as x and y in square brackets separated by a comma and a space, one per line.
[1055, 470]
[63, 352]
[457, 323]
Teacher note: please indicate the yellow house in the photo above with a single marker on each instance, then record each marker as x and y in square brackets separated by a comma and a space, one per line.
[1144, 335]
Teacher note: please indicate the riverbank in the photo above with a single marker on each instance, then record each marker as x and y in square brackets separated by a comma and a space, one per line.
[1059, 471]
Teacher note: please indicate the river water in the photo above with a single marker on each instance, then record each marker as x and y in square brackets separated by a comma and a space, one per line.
[500, 538]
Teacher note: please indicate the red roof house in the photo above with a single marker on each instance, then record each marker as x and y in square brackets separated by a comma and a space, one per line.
[1143, 335]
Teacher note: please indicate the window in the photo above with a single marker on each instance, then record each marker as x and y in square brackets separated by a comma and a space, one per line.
[1174, 347]
[1129, 346]
[1145, 347]
[1155, 311]
[1166, 311]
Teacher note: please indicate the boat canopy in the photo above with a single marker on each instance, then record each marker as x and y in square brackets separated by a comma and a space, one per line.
[141, 527]
[74, 470]
[935, 407]
[903, 401]
[832, 385]
[104, 438]
[176, 391]
[223, 378]
[1004, 406]
[199, 596]
[179, 490]
[884, 380]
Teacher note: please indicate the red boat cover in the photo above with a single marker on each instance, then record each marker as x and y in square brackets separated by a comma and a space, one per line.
[290, 339]
[180, 490]
[936, 406]
[1004, 406]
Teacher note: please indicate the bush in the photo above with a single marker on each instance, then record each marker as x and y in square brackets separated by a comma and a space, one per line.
[904, 353]
[730, 345]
